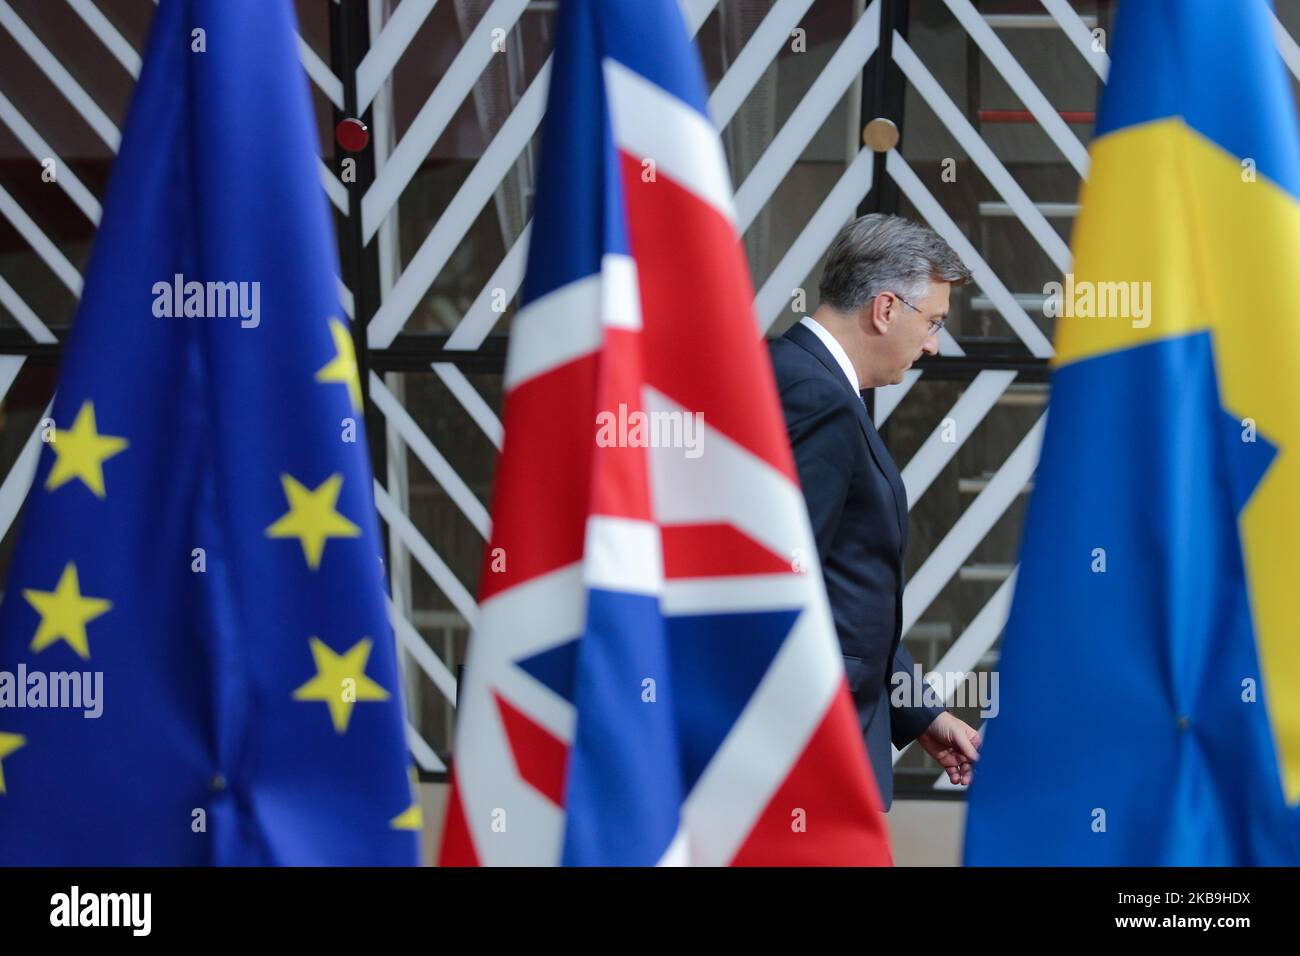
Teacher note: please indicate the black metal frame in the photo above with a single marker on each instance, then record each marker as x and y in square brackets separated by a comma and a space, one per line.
[884, 93]
[359, 263]
[884, 90]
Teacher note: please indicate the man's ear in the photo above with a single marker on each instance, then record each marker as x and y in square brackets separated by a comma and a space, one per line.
[876, 316]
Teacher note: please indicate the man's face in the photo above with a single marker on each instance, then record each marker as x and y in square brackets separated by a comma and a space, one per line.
[913, 329]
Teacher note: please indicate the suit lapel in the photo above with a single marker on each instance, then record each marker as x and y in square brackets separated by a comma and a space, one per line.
[806, 339]
[885, 462]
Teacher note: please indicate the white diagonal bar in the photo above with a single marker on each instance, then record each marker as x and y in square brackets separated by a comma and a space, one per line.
[816, 236]
[979, 636]
[398, 479]
[759, 52]
[978, 150]
[320, 73]
[429, 456]
[808, 117]
[948, 345]
[336, 191]
[117, 44]
[10, 366]
[427, 557]
[973, 644]
[1286, 46]
[49, 64]
[695, 12]
[41, 150]
[966, 413]
[436, 113]
[1021, 84]
[346, 300]
[388, 48]
[1077, 32]
[425, 656]
[446, 235]
[471, 401]
[984, 277]
[888, 397]
[37, 239]
[972, 526]
[424, 755]
[23, 314]
[16, 484]
[506, 279]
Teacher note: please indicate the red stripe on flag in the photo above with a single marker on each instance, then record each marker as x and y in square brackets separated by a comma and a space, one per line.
[713, 550]
[620, 485]
[540, 756]
[457, 845]
[828, 811]
[696, 306]
[543, 478]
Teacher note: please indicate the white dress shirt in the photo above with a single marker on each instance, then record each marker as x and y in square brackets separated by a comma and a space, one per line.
[836, 350]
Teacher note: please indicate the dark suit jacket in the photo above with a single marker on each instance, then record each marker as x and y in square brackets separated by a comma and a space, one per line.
[858, 508]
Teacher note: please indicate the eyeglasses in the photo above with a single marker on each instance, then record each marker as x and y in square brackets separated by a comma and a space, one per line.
[935, 324]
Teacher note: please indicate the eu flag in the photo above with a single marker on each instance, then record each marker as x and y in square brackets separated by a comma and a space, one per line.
[1150, 712]
[195, 661]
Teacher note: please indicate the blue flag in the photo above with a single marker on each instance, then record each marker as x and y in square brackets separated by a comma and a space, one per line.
[1150, 671]
[195, 661]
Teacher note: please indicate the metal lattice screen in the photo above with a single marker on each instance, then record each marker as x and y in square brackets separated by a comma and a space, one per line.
[995, 102]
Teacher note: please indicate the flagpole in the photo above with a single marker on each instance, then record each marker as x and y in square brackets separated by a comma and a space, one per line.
[349, 43]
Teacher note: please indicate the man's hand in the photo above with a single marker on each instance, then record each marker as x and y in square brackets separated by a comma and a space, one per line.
[955, 744]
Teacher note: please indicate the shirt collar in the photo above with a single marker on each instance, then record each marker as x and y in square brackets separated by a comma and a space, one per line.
[836, 350]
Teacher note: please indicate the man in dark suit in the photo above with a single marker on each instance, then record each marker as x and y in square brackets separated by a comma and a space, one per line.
[884, 298]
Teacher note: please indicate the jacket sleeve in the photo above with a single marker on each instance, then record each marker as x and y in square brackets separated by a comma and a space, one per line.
[907, 720]
[823, 428]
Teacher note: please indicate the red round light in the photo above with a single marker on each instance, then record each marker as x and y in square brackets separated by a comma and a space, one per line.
[352, 135]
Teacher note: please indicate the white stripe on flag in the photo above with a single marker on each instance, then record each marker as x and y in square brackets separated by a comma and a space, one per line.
[527, 619]
[653, 125]
[556, 329]
[623, 554]
[621, 297]
[732, 484]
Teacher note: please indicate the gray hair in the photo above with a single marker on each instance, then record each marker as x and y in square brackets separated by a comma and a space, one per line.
[878, 253]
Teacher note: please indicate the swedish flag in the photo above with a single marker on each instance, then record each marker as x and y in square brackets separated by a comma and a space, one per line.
[1150, 712]
[195, 661]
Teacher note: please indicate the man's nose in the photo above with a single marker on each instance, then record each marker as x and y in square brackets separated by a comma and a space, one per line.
[931, 344]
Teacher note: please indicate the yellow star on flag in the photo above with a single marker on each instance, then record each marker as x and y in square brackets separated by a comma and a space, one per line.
[80, 452]
[65, 613]
[340, 680]
[8, 744]
[311, 517]
[343, 367]
[412, 818]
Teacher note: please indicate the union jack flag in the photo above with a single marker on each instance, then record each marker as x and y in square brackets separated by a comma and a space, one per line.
[654, 676]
